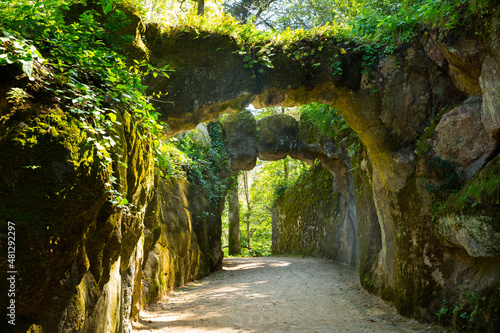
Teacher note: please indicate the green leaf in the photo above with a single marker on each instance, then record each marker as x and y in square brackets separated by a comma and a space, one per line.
[27, 68]
[112, 117]
[107, 8]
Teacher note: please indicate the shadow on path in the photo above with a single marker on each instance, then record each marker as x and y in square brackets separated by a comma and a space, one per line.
[275, 295]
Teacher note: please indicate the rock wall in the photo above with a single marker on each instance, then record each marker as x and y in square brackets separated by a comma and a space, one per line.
[82, 264]
[306, 218]
[427, 119]
[173, 238]
[75, 254]
[423, 200]
[297, 222]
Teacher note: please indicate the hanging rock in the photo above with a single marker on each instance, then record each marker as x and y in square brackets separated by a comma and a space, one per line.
[460, 137]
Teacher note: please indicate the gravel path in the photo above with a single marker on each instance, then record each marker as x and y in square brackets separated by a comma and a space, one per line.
[275, 295]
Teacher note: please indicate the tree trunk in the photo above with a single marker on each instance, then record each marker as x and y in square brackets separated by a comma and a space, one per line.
[234, 219]
[201, 7]
[249, 208]
[286, 168]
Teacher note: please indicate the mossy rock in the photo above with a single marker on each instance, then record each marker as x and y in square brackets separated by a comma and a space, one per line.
[241, 131]
[123, 26]
[305, 216]
[55, 188]
[277, 136]
[468, 219]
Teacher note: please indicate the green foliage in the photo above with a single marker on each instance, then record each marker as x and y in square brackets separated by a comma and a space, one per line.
[323, 117]
[308, 203]
[17, 50]
[292, 14]
[443, 312]
[462, 314]
[392, 23]
[269, 184]
[387, 21]
[369, 282]
[82, 70]
[208, 164]
[258, 47]
[17, 96]
[330, 123]
[170, 161]
[475, 192]
[479, 196]
[378, 26]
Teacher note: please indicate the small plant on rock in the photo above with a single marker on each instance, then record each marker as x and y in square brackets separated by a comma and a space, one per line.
[17, 96]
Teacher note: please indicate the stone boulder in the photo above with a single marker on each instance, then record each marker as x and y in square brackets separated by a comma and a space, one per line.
[461, 138]
[472, 233]
[312, 144]
[277, 136]
[463, 59]
[490, 78]
[490, 85]
[470, 218]
[241, 140]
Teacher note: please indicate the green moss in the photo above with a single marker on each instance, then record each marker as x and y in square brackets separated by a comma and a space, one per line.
[415, 287]
[423, 146]
[55, 190]
[268, 126]
[480, 196]
[369, 233]
[310, 211]
[242, 121]
[473, 311]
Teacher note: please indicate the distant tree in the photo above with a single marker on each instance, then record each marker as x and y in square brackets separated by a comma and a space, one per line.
[248, 214]
[282, 14]
[234, 245]
[201, 7]
[244, 10]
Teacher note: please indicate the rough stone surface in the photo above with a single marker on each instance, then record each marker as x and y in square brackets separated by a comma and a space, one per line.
[81, 255]
[461, 138]
[464, 59]
[241, 140]
[313, 218]
[173, 253]
[490, 78]
[276, 136]
[406, 97]
[82, 269]
[306, 222]
[226, 87]
[472, 233]
[469, 219]
[79, 246]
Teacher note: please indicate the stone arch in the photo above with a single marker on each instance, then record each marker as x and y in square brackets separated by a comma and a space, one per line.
[399, 96]
[277, 136]
[210, 78]
[389, 107]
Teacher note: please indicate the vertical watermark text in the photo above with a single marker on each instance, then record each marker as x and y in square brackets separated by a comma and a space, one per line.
[11, 272]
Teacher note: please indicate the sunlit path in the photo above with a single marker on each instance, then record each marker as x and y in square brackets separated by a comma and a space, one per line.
[275, 295]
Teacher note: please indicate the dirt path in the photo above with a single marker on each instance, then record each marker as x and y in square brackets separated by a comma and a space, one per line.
[275, 295]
